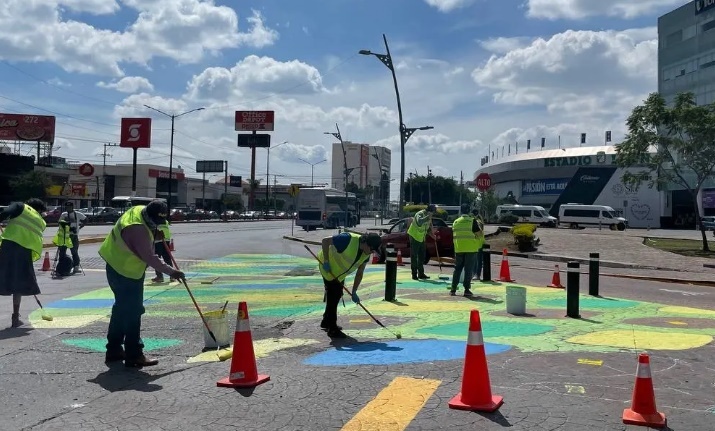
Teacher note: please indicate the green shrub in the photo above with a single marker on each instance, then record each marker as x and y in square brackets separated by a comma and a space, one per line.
[524, 236]
[508, 218]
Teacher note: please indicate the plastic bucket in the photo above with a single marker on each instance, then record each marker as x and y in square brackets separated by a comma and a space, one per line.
[218, 322]
[515, 300]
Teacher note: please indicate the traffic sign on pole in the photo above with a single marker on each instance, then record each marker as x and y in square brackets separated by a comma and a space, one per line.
[484, 181]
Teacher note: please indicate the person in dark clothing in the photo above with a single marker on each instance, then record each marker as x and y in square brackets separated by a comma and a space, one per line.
[340, 256]
[465, 233]
[75, 221]
[21, 246]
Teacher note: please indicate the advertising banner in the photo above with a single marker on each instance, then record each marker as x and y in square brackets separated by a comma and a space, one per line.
[640, 207]
[553, 186]
[21, 127]
[156, 173]
[583, 188]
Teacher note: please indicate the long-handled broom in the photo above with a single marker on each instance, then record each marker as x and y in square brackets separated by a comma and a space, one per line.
[396, 334]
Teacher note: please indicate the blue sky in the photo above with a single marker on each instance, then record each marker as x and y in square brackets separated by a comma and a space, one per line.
[484, 73]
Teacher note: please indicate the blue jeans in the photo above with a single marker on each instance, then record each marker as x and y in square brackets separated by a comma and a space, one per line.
[463, 262]
[478, 264]
[125, 323]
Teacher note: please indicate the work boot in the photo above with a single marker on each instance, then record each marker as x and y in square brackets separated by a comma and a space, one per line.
[157, 279]
[141, 361]
[468, 293]
[424, 277]
[325, 326]
[336, 333]
[76, 270]
[453, 291]
[414, 276]
[16, 322]
[114, 356]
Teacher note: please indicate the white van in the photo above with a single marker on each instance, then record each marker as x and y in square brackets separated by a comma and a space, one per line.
[529, 213]
[576, 215]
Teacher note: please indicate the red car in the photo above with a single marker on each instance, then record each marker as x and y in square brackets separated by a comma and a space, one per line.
[397, 235]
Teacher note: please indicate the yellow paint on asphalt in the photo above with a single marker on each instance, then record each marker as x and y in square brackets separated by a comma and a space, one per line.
[395, 406]
[678, 323]
[629, 339]
[261, 348]
[674, 309]
[64, 322]
[360, 320]
[417, 306]
[573, 389]
[596, 363]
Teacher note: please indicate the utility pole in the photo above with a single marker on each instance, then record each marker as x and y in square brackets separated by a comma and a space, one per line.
[461, 189]
[429, 185]
[105, 154]
[411, 182]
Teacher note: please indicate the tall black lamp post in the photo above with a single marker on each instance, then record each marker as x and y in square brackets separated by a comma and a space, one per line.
[405, 132]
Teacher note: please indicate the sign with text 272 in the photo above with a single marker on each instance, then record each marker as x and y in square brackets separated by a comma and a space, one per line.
[544, 187]
[249, 121]
[21, 127]
[136, 133]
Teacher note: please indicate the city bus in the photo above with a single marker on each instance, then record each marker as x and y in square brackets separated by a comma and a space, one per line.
[325, 207]
[123, 203]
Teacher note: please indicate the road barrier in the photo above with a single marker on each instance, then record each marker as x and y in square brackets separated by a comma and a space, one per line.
[593, 273]
[573, 276]
[390, 273]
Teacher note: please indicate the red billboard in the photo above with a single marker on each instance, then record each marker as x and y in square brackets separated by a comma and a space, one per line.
[250, 121]
[156, 173]
[136, 133]
[22, 127]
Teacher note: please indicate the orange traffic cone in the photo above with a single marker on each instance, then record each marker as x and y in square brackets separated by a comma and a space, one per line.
[171, 245]
[375, 259]
[556, 279]
[399, 258]
[476, 394]
[643, 411]
[504, 273]
[46, 262]
[243, 372]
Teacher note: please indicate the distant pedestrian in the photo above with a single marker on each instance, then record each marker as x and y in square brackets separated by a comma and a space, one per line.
[420, 227]
[340, 256]
[464, 233]
[160, 243]
[480, 240]
[128, 250]
[76, 222]
[21, 246]
[63, 241]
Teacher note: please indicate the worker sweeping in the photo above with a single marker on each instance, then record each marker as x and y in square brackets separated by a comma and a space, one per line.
[466, 245]
[128, 251]
[21, 246]
[418, 231]
[76, 222]
[341, 255]
[164, 234]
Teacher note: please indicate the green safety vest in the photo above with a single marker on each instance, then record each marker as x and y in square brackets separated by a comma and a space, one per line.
[342, 264]
[115, 251]
[464, 239]
[164, 228]
[26, 230]
[62, 237]
[418, 232]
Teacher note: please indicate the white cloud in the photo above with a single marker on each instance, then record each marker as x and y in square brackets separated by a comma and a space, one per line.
[128, 84]
[502, 45]
[95, 7]
[580, 9]
[431, 144]
[449, 5]
[185, 31]
[292, 152]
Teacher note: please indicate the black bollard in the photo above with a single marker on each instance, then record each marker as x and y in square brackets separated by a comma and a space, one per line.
[390, 275]
[573, 276]
[593, 273]
[486, 263]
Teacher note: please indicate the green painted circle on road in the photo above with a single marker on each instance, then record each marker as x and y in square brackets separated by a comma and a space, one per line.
[489, 329]
[99, 344]
[590, 303]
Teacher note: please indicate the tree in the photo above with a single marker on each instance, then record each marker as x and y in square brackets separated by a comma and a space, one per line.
[445, 191]
[32, 184]
[670, 145]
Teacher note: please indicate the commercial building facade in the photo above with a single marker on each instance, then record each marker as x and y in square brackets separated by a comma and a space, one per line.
[370, 168]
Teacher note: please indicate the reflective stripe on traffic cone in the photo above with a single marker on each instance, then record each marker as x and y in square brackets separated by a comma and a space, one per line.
[504, 273]
[243, 372]
[643, 410]
[476, 394]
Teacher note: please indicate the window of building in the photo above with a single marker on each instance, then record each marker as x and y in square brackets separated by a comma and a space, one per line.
[689, 32]
[674, 38]
[707, 26]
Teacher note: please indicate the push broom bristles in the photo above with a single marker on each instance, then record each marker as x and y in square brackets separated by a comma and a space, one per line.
[45, 315]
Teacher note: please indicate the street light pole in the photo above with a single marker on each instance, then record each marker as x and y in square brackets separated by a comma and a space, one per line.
[171, 146]
[312, 166]
[405, 132]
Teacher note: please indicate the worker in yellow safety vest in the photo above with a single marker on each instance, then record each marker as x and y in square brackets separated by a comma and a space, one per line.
[466, 245]
[21, 246]
[341, 255]
[420, 227]
[128, 251]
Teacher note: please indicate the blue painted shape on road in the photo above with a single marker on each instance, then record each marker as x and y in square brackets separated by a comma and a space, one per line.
[397, 352]
[87, 303]
[262, 286]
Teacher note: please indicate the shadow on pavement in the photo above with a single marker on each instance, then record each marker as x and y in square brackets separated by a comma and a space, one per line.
[8, 333]
[496, 417]
[119, 378]
[478, 298]
[353, 345]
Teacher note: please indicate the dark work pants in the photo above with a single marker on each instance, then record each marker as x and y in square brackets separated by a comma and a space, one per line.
[463, 262]
[334, 291]
[75, 249]
[125, 323]
[417, 256]
[163, 253]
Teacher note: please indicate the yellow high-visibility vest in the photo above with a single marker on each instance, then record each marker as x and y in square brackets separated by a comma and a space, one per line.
[115, 251]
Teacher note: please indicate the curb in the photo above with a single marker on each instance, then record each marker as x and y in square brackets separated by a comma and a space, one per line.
[90, 240]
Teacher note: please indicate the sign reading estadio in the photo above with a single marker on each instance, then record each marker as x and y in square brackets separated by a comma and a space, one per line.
[249, 121]
[21, 127]
[703, 5]
[136, 133]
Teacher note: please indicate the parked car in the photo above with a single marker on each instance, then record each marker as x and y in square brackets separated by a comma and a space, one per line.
[52, 215]
[397, 235]
[708, 222]
[177, 215]
[102, 215]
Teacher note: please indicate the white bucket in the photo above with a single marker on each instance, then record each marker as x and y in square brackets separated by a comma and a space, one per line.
[516, 300]
[218, 322]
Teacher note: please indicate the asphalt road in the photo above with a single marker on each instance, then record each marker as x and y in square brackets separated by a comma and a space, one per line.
[49, 385]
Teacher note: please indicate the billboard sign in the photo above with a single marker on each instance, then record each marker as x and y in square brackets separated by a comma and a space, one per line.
[136, 133]
[209, 166]
[235, 181]
[21, 127]
[703, 6]
[553, 186]
[258, 140]
[156, 173]
[86, 170]
[250, 121]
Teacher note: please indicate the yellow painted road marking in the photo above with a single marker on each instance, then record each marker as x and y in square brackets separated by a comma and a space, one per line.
[597, 363]
[395, 406]
[572, 389]
[360, 320]
[675, 322]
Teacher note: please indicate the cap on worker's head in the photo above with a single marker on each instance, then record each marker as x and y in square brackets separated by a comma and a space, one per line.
[475, 212]
[157, 211]
[465, 209]
[431, 208]
[69, 204]
[36, 204]
[373, 241]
